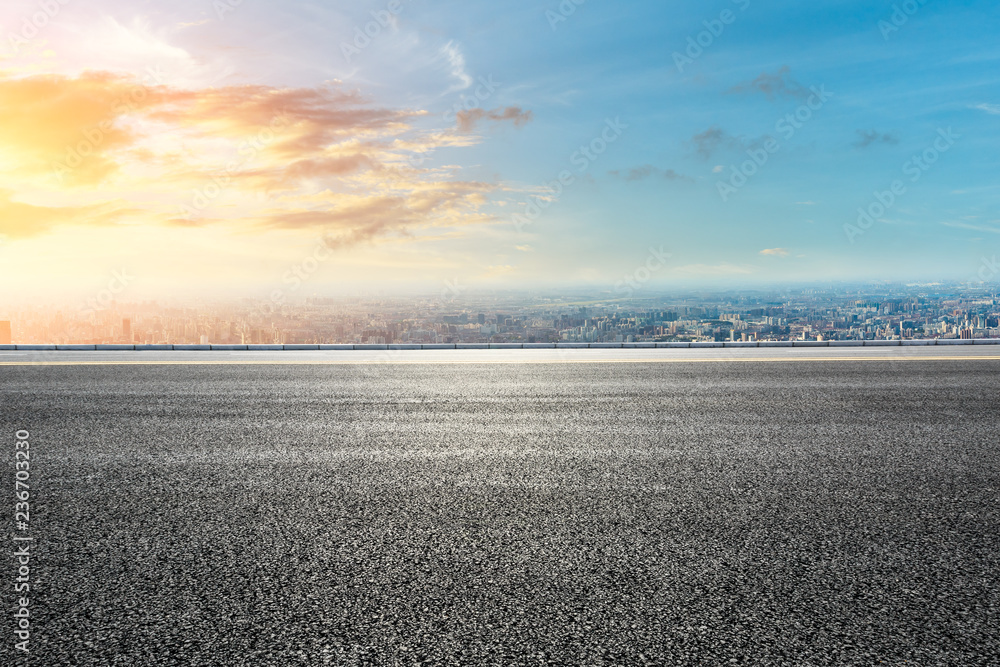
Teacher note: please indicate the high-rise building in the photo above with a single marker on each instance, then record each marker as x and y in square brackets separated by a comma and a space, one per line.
[127, 330]
[5, 335]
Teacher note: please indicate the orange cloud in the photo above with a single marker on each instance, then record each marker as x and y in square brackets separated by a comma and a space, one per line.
[467, 120]
[172, 156]
[69, 128]
[19, 220]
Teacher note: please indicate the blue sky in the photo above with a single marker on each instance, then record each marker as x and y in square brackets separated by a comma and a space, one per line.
[896, 78]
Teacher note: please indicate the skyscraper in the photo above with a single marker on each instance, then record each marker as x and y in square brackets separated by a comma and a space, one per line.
[5, 336]
[127, 330]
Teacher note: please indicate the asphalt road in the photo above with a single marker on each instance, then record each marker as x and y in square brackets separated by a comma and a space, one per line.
[744, 512]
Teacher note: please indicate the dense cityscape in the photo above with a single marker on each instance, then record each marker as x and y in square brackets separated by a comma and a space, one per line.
[874, 312]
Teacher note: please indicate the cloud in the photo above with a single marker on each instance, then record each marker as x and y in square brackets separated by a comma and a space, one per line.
[775, 252]
[976, 228]
[649, 171]
[712, 139]
[992, 109]
[325, 157]
[779, 84]
[70, 126]
[456, 62]
[868, 138]
[715, 139]
[468, 119]
[19, 220]
[353, 219]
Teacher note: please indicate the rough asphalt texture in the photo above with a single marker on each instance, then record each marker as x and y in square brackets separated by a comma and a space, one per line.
[814, 513]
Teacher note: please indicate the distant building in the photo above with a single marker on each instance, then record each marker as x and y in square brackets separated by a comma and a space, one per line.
[127, 330]
[5, 335]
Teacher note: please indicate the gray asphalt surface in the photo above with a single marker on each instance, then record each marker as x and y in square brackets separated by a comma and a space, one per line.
[760, 513]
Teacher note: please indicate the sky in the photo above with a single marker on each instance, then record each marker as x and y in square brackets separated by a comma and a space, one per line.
[238, 147]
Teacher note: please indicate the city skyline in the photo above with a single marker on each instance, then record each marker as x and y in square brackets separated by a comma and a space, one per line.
[856, 313]
[234, 149]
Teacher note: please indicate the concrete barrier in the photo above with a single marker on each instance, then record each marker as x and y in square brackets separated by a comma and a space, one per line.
[48, 347]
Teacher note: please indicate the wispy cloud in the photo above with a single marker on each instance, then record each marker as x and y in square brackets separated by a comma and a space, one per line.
[649, 171]
[775, 252]
[976, 228]
[992, 109]
[868, 138]
[713, 139]
[779, 84]
[327, 158]
[456, 61]
[467, 120]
